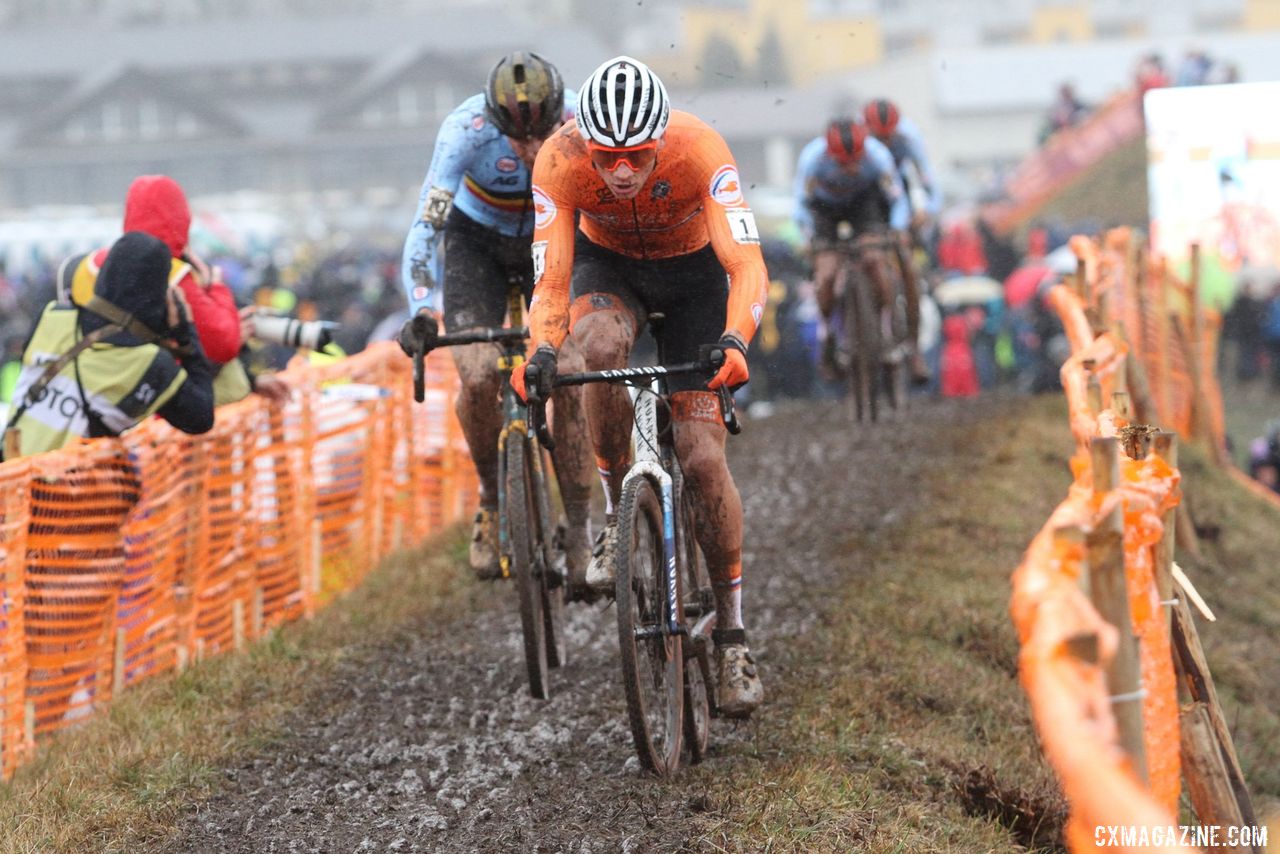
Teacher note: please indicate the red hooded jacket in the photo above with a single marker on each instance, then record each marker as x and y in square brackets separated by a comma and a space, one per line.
[156, 204]
[959, 370]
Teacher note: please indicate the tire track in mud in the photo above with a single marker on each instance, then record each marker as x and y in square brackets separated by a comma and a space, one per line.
[435, 745]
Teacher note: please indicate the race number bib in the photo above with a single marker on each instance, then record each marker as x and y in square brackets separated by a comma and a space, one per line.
[742, 224]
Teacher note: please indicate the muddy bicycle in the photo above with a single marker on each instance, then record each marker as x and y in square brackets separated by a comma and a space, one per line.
[526, 531]
[872, 348]
[665, 607]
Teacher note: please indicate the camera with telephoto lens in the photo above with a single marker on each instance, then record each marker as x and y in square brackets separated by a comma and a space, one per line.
[290, 332]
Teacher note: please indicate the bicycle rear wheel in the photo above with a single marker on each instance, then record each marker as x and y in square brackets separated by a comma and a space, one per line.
[523, 525]
[699, 690]
[652, 657]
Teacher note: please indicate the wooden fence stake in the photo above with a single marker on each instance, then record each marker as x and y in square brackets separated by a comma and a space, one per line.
[317, 555]
[118, 664]
[1165, 446]
[29, 721]
[1201, 424]
[1144, 408]
[1109, 594]
[1197, 684]
[1120, 404]
[1208, 784]
[256, 616]
[237, 624]
[1164, 397]
[12, 444]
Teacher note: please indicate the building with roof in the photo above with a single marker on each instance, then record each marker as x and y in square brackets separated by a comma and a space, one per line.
[297, 106]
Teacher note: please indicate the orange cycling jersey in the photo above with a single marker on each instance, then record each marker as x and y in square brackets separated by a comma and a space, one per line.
[693, 197]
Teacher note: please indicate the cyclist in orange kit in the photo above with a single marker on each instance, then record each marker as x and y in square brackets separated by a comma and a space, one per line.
[663, 228]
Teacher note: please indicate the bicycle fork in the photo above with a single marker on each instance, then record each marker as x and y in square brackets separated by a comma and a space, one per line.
[648, 465]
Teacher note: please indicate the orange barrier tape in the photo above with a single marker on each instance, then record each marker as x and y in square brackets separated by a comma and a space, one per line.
[1066, 646]
[122, 559]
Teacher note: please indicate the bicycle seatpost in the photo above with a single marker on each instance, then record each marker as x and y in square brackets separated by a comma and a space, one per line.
[655, 329]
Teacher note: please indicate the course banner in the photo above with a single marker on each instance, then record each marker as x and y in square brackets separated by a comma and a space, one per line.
[1214, 178]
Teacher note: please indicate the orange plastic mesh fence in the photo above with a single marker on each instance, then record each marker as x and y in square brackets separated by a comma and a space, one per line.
[155, 536]
[125, 558]
[80, 499]
[1154, 308]
[15, 513]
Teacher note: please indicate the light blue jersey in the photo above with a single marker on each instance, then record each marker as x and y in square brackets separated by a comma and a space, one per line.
[820, 177]
[474, 164]
[907, 147]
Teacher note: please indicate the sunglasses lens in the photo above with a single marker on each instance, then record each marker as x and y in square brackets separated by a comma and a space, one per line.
[636, 159]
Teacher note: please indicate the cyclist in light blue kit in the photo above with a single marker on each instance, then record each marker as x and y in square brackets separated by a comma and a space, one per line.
[848, 176]
[906, 144]
[469, 241]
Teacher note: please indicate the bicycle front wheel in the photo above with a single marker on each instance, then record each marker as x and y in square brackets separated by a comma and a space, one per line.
[523, 525]
[862, 324]
[652, 657]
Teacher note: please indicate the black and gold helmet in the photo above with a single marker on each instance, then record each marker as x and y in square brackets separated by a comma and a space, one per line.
[525, 96]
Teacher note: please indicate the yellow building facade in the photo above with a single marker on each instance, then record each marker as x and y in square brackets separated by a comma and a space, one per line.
[816, 45]
[1061, 23]
[810, 47]
[1262, 15]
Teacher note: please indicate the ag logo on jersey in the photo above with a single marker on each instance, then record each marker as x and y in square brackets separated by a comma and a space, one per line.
[726, 187]
[544, 210]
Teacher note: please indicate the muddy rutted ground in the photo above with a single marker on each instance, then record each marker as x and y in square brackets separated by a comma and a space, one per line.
[433, 744]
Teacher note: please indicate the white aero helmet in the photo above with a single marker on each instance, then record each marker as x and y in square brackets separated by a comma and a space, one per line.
[623, 103]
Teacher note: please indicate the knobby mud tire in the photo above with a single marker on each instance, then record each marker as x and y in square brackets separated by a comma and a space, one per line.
[652, 669]
[553, 589]
[862, 324]
[523, 521]
[699, 689]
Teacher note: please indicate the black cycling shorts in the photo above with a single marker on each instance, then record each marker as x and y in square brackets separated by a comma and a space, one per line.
[479, 264]
[866, 211]
[692, 291]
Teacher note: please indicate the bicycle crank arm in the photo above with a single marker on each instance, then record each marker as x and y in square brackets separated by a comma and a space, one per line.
[704, 626]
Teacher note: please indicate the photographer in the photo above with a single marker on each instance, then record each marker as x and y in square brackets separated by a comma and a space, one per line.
[129, 352]
[157, 205]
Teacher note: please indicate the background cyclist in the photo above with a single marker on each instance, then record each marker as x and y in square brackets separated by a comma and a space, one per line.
[848, 176]
[662, 221]
[906, 143]
[476, 205]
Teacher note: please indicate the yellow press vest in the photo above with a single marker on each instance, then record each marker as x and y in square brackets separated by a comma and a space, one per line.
[122, 385]
[230, 384]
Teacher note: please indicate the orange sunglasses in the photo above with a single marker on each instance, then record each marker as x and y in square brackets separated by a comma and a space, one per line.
[637, 157]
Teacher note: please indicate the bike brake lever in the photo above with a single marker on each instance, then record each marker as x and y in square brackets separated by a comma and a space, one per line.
[537, 407]
[727, 412]
[419, 375]
[426, 332]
